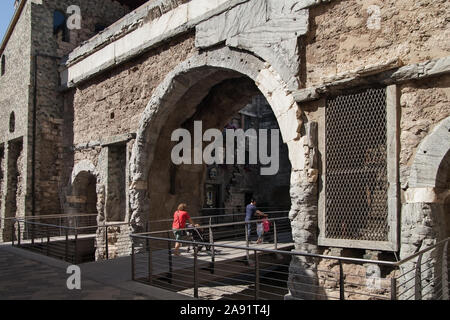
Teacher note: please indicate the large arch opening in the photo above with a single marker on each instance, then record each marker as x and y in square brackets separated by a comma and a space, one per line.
[425, 215]
[214, 86]
[211, 87]
[444, 184]
[233, 103]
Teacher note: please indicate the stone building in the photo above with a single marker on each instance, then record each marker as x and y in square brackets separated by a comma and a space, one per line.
[360, 91]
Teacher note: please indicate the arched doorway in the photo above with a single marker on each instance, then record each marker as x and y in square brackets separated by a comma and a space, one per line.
[83, 200]
[425, 213]
[444, 184]
[212, 87]
[228, 105]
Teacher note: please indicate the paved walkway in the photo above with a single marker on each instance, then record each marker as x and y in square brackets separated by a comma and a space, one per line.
[28, 276]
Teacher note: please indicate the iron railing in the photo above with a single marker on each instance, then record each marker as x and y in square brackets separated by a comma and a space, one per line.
[232, 270]
[78, 238]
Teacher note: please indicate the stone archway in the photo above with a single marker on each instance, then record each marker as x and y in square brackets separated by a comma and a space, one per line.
[185, 87]
[425, 213]
[84, 192]
[428, 191]
[191, 81]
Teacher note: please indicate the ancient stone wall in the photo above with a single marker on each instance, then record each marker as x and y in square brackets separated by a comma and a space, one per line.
[114, 101]
[338, 44]
[49, 48]
[119, 242]
[340, 41]
[14, 94]
[15, 99]
[424, 104]
[103, 12]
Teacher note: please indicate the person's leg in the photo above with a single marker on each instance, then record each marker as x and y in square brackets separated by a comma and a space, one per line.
[177, 244]
[260, 231]
[177, 249]
[249, 231]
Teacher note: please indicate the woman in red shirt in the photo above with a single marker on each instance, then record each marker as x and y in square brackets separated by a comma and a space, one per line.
[179, 222]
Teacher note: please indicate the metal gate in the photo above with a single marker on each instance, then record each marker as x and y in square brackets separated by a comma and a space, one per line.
[356, 187]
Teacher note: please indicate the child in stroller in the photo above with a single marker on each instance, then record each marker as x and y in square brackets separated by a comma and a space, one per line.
[198, 235]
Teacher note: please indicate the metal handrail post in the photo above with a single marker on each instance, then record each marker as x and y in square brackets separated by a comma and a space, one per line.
[106, 243]
[257, 280]
[394, 288]
[213, 252]
[67, 246]
[76, 247]
[32, 234]
[133, 261]
[341, 282]
[418, 279]
[169, 247]
[445, 273]
[150, 264]
[275, 235]
[13, 232]
[147, 242]
[18, 233]
[195, 271]
[247, 242]
[48, 242]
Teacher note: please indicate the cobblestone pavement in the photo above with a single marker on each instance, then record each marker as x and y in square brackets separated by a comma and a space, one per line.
[27, 276]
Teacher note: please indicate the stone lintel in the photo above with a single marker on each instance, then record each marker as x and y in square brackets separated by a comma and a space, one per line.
[119, 139]
[387, 73]
[76, 199]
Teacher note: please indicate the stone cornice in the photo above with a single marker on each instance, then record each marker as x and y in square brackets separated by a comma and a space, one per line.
[387, 73]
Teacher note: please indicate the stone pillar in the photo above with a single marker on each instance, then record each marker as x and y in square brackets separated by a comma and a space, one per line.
[422, 226]
[303, 279]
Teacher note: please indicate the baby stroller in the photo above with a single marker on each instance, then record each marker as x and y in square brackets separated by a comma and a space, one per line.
[198, 235]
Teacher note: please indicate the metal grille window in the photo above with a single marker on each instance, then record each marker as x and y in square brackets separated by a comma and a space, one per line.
[356, 204]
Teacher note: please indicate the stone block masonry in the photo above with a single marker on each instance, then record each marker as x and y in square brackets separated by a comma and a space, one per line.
[115, 101]
[49, 140]
[119, 241]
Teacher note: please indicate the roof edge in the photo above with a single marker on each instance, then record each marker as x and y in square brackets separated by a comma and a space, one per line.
[12, 25]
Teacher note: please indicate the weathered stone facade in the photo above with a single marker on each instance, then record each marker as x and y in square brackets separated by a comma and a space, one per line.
[29, 94]
[170, 63]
